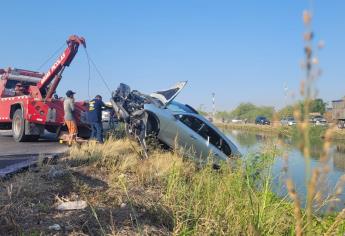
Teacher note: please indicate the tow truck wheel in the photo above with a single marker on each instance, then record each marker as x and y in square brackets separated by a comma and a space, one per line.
[341, 124]
[32, 138]
[18, 128]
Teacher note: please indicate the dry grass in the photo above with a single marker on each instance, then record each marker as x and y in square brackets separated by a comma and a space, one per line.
[122, 192]
[167, 195]
[161, 195]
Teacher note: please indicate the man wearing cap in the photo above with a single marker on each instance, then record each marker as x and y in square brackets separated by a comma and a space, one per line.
[18, 89]
[94, 115]
[68, 106]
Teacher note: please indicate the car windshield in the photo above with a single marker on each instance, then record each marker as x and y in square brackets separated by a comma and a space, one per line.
[179, 107]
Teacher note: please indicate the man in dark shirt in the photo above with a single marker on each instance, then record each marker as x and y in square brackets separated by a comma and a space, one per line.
[96, 106]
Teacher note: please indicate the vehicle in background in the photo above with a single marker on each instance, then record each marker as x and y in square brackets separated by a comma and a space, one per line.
[237, 121]
[209, 118]
[109, 119]
[261, 120]
[177, 125]
[338, 112]
[318, 120]
[105, 116]
[106, 119]
[288, 121]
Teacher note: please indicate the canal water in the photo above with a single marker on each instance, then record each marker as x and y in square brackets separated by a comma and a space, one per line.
[293, 164]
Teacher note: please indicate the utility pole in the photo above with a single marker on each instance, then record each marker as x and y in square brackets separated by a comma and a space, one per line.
[213, 106]
[286, 90]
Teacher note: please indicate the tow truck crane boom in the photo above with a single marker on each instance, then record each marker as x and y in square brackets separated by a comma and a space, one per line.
[58, 67]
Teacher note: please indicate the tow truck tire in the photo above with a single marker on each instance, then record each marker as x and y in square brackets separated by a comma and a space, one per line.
[341, 124]
[18, 126]
[32, 138]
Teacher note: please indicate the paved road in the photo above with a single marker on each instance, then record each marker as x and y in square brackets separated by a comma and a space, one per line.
[13, 153]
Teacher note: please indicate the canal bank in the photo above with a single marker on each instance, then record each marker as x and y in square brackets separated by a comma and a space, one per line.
[338, 135]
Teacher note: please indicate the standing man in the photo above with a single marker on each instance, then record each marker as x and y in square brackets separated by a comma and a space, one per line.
[68, 106]
[96, 106]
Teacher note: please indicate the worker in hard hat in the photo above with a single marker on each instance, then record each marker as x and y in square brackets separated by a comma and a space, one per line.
[94, 116]
[69, 116]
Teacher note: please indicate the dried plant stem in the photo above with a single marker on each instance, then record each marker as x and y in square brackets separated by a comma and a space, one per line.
[297, 207]
[311, 194]
[340, 218]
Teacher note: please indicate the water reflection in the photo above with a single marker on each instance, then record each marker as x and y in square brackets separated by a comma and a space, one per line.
[339, 157]
[250, 142]
[247, 139]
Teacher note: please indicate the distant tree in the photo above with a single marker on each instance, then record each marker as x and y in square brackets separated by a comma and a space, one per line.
[318, 105]
[249, 111]
[266, 111]
[223, 115]
[243, 110]
[286, 111]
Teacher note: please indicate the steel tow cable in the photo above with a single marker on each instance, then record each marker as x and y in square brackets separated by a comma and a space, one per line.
[98, 72]
[51, 57]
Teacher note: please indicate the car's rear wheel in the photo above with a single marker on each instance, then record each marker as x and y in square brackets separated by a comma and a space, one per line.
[152, 125]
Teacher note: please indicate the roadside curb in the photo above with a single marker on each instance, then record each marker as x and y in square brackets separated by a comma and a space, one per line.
[32, 160]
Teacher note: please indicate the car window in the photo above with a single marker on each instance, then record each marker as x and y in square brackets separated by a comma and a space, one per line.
[205, 131]
[192, 122]
[11, 84]
[225, 148]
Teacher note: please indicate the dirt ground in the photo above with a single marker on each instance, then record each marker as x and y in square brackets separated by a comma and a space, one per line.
[29, 199]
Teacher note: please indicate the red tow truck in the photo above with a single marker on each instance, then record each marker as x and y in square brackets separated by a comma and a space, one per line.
[28, 104]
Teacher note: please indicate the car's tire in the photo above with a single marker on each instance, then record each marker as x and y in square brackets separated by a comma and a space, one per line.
[18, 126]
[152, 127]
[152, 130]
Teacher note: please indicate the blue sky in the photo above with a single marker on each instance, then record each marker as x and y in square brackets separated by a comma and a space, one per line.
[244, 51]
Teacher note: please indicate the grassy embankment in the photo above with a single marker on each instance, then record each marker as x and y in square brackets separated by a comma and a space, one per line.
[162, 195]
[315, 131]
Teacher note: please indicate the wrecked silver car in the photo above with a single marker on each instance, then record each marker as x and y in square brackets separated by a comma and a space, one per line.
[177, 125]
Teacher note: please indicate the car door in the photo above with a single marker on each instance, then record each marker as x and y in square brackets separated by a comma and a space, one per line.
[167, 123]
[217, 146]
[188, 138]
